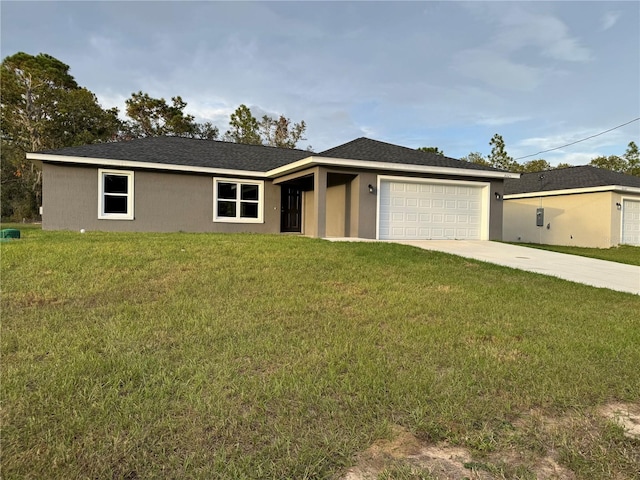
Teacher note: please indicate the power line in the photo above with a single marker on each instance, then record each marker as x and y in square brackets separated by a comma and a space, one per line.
[578, 141]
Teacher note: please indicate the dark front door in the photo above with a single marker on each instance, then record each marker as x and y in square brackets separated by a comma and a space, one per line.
[291, 209]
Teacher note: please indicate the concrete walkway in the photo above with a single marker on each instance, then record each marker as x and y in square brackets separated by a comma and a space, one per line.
[590, 271]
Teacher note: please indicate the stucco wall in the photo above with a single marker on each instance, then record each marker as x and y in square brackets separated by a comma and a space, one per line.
[366, 204]
[496, 210]
[168, 202]
[583, 220]
[163, 202]
[308, 215]
[336, 210]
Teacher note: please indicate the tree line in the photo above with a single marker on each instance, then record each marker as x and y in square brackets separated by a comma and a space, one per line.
[44, 108]
[627, 162]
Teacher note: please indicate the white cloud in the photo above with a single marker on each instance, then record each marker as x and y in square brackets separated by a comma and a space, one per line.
[217, 115]
[576, 154]
[543, 31]
[567, 49]
[501, 120]
[369, 132]
[609, 20]
[102, 44]
[109, 99]
[572, 158]
[554, 141]
[514, 56]
[496, 70]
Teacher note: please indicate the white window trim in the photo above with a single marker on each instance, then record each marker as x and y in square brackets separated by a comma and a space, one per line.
[101, 193]
[237, 218]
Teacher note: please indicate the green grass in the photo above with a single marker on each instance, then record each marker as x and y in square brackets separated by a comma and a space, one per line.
[621, 254]
[251, 356]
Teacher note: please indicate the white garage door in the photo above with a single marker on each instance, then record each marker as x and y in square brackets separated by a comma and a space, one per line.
[631, 222]
[430, 211]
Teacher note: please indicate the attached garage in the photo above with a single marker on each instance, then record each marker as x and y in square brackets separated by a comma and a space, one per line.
[630, 222]
[419, 209]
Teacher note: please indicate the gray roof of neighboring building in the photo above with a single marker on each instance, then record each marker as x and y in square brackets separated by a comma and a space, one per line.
[189, 152]
[255, 158]
[568, 178]
[374, 150]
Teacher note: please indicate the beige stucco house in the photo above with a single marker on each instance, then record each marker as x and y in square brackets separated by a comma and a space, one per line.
[581, 206]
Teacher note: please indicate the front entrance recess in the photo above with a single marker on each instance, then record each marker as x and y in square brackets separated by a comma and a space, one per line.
[291, 209]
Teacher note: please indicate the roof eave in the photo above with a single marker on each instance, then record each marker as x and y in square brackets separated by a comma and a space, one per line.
[141, 165]
[279, 171]
[397, 167]
[573, 191]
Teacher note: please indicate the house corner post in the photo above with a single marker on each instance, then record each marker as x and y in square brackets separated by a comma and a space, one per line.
[320, 201]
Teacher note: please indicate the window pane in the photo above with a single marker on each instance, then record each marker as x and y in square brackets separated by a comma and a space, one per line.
[227, 190]
[249, 192]
[248, 210]
[116, 184]
[226, 209]
[115, 204]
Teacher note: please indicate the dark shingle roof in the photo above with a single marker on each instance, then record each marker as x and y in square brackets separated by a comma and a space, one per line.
[189, 152]
[568, 178]
[373, 150]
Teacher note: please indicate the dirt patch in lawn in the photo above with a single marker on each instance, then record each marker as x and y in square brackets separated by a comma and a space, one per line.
[405, 453]
[626, 415]
[407, 457]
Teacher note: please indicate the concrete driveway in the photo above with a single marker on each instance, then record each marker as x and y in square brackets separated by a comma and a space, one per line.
[590, 271]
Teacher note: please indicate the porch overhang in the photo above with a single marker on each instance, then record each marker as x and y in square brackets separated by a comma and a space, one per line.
[315, 161]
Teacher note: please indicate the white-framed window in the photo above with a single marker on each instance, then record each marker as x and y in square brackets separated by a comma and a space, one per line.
[115, 194]
[239, 201]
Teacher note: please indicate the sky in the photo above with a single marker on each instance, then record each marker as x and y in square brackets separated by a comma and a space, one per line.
[442, 74]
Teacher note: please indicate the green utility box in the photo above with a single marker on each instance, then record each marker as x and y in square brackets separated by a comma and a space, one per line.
[9, 234]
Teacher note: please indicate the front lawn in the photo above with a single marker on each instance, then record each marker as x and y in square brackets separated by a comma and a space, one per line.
[251, 356]
[621, 254]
